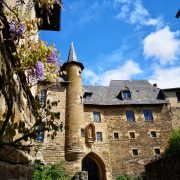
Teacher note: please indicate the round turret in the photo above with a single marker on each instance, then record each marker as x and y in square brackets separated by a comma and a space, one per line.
[74, 108]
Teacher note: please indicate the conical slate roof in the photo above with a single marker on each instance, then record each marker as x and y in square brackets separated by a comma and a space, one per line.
[72, 59]
[72, 54]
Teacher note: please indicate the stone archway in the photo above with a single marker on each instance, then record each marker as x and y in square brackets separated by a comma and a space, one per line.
[95, 167]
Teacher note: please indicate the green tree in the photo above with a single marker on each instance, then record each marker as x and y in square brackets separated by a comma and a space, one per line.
[174, 142]
[50, 172]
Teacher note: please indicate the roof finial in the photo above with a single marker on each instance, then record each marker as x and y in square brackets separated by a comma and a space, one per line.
[72, 54]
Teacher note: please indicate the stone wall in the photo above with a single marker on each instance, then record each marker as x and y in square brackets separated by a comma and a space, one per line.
[53, 150]
[174, 106]
[165, 168]
[117, 153]
[12, 172]
[15, 164]
[176, 117]
[121, 150]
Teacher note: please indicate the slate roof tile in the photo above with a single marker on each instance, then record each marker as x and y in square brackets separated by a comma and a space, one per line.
[142, 92]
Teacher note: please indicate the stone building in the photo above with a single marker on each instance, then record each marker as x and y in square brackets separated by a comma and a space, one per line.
[172, 95]
[108, 130]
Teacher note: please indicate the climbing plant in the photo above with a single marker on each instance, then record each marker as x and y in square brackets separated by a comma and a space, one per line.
[26, 61]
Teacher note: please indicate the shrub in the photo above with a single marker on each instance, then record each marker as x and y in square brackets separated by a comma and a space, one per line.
[50, 172]
[174, 142]
[127, 177]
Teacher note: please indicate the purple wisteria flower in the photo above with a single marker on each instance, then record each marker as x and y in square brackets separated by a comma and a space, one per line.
[52, 58]
[20, 30]
[17, 31]
[39, 70]
[12, 28]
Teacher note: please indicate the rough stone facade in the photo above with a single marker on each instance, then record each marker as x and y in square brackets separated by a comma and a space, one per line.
[109, 142]
[116, 154]
[15, 164]
[174, 103]
[167, 167]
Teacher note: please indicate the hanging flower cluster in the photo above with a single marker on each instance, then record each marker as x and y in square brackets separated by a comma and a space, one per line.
[52, 58]
[39, 66]
[36, 58]
[40, 60]
[16, 29]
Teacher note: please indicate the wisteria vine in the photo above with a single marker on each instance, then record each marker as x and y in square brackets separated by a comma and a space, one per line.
[39, 60]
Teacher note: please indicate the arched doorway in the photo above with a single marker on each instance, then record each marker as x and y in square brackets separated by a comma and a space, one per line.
[95, 167]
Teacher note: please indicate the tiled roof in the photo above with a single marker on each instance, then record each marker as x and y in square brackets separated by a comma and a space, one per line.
[142, 92]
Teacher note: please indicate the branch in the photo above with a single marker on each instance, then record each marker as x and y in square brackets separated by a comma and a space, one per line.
[11, 10]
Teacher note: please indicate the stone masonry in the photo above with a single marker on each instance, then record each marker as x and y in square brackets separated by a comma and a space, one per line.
[113, 153]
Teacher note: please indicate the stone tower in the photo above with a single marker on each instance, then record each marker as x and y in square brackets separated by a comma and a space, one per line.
[74, 141]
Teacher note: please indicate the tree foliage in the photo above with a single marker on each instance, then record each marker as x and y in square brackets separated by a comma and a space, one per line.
[50, 172]
[128, 177]
[174, 142]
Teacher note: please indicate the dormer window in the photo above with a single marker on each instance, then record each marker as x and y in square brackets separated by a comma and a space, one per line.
[126, 94]
[87, 95]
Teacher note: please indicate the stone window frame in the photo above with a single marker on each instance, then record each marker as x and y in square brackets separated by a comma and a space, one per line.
[115, 132]
[157, 148]
[43, 96]
[95, 115]
[82, 132]
[133, 150]
[148, 115]
[101, 138]
[152, 131]
[127, 115]
[40, 133]
[129, 132]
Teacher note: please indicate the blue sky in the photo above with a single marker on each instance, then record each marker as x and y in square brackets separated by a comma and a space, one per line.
[122, 39]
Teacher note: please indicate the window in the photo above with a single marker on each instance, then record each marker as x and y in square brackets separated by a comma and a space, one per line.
[116, 135]
[82, 132]
[40, 133]
[126, 94]
[99, 136]
[130, 116]
[96, 117]
[153, 134]
[87, 95]
[178, 96]
[148, 116]
[81, 99]
[135, 152]
[132, 135]
[43, 97]
[157, 151]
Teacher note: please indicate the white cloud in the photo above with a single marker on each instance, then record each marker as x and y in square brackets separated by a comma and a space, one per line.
[127, 71]
[166, 77]
[134, 12]
[163, 45]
